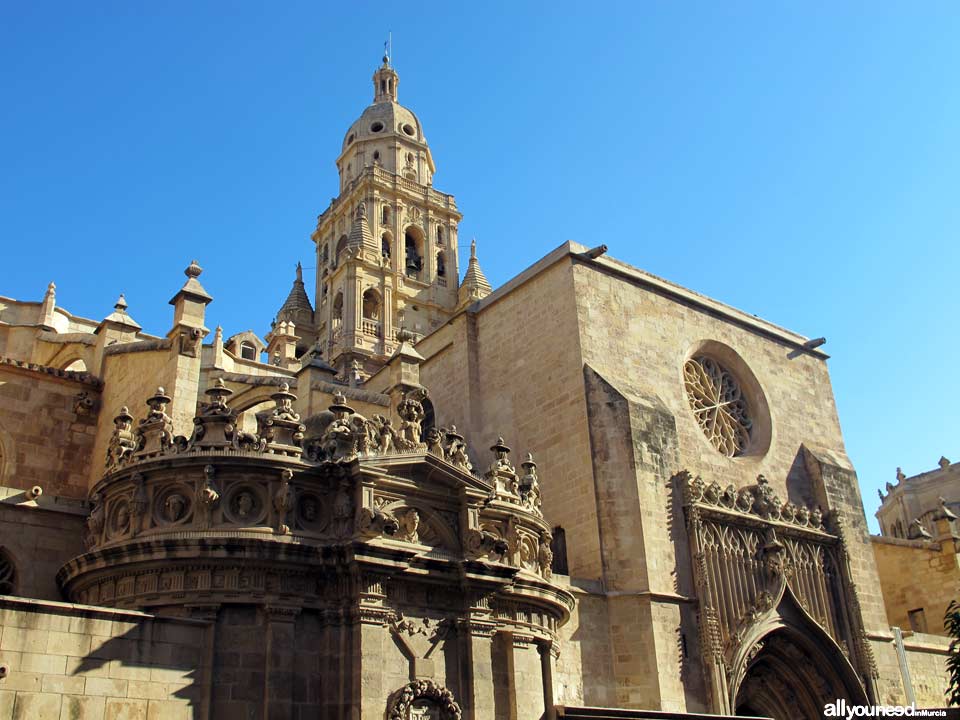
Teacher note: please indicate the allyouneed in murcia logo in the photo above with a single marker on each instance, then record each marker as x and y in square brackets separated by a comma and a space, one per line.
[840, 709]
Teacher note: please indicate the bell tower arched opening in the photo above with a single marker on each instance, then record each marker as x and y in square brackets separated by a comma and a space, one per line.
[413, 247]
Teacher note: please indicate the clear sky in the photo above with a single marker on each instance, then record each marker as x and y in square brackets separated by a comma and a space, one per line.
[797, 160]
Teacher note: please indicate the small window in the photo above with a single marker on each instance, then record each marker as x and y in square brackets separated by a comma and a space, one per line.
[441, 265]
[371, 305]
[383, 86]
[918, 620]
[350, 139]
[248, 351]
[408, 129]
[559, 547]
[385, 246]
[409, 158]
[385, 214]
[439, 234]
[338, 307]
[376, 154]
[376, 127]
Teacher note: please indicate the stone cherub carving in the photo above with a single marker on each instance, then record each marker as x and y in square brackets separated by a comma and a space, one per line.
[434, 440]
[410, 410]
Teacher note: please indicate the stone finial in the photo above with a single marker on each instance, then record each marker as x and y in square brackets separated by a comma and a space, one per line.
[121, 304]
[475, 285]
[299, 272]
[943, 463]
[339, 405]
[218, 336]
[48, 305]
[900, 476]
[193, 270]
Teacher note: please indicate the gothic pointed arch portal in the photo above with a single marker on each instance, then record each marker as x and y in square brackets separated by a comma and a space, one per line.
[781, 633]
[789, 668]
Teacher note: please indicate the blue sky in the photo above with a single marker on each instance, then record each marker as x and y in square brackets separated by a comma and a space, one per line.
[798, 160]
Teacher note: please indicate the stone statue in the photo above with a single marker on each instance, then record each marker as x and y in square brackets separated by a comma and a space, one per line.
[434, 442]
[410, 410]
[530, 486]
[337, 441]
[283, 501]
[501, 472]
[123, 441]
[545, 554]
[409, 525]
[456, 450]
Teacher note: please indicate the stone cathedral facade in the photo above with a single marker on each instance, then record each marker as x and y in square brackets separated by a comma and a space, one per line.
[330, 522]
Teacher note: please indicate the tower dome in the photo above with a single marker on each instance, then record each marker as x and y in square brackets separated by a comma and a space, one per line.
[387, 135]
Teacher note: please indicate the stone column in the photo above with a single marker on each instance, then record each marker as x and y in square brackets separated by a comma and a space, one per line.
[476, 667]
[547, 659]
[527, 677]
[278, 662]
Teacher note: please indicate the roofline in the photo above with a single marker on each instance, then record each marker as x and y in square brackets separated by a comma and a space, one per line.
[577, 253]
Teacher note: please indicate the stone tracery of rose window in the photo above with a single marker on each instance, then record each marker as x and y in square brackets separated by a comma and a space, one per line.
[718, 404]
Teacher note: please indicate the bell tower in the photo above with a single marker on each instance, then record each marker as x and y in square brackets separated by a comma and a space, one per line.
[387, 245]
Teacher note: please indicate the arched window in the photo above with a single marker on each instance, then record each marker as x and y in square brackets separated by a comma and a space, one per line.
[338, 307]
[341, 244]
[76, 366]
[412, 243]
[248, 351]
[429, 418]
[8, 573]
[440, 235]
[371, 305]
[441, 264]
[383, 86]
[386, 243]
[385, 214]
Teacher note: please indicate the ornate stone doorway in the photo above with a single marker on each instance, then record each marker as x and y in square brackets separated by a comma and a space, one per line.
[790, 678]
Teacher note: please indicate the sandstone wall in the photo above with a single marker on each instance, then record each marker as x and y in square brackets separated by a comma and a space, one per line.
[38, 538]
[917, 575]
[927, 660]
[46, 438]
[515, 369]
[86, 663]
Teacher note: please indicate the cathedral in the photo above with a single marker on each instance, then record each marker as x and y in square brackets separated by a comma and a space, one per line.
[588, 493]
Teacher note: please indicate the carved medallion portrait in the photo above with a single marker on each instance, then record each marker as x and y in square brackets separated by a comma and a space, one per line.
[245, 505]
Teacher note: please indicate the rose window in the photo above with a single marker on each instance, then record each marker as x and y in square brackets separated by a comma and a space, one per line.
[718, 404]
